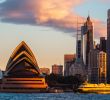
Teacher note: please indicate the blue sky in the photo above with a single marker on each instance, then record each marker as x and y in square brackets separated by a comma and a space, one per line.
[49, 44]
[95, 8]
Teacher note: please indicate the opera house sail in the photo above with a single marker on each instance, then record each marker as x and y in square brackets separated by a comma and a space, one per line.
[22, 73]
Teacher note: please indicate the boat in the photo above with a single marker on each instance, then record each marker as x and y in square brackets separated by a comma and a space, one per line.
[101, 88]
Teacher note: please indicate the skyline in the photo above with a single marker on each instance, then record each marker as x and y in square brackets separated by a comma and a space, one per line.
[49, 44]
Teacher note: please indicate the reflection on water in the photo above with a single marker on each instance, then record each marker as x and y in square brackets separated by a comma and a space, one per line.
[62, 96]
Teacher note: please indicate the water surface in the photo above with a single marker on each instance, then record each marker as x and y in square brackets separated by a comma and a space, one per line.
[52, 96]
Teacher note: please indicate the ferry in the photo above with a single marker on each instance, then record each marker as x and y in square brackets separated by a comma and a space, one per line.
[101, 88]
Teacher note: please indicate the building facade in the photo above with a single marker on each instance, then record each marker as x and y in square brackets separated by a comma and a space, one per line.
[57, 69]
[1, 74]
[87, 40]
[45, 71]
[108, 47]
[84, 43]
[97, 71]
[69, 59]
[102, 65]
[22, 73]
[78, 66]
[93, 69]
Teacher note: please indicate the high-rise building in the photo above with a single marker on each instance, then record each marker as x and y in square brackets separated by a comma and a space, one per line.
[57, 69]
[108, 47]
[93, 69]
[78, 66]
[87, 40]
[103, 44]
[97, 66]
[69, 59]
[102, 65]
[45, 71]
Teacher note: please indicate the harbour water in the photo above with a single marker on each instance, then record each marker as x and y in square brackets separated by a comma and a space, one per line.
[52, 96]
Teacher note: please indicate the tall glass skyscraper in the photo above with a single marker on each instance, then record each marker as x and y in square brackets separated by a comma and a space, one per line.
[108, 47]
[87, 34]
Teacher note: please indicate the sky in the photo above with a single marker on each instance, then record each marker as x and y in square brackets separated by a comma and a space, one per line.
[47, 26]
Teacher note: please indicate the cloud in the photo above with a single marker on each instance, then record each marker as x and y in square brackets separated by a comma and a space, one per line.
[16, 12]
[58, 14]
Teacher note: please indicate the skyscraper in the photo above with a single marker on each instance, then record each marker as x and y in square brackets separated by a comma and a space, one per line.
[78, 67]
[93, 70]
[87, 38]
[108, 47]
[102, 65]
[102, 44]
[97, 66]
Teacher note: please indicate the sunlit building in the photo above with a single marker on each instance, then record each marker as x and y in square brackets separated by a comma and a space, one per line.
[45, 71]
[57, 69]
[22, 73]
[102, 65]
[69, 59]
[97, 70]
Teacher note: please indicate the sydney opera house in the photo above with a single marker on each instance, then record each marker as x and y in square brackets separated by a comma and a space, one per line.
[22, 73]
